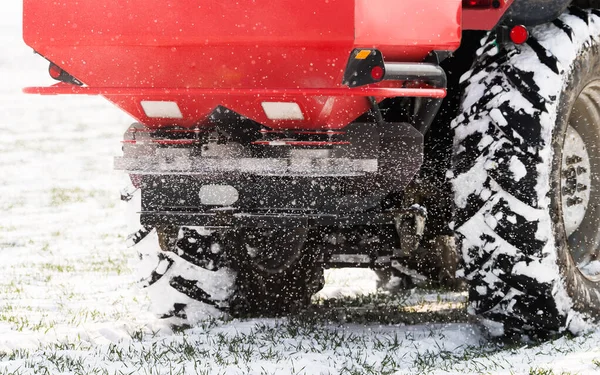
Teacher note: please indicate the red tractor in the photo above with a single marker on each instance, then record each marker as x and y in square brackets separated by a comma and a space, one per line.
[278, 138]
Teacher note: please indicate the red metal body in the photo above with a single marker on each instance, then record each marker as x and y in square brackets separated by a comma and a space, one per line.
[375, 90]
[483, 18]
[236, 53]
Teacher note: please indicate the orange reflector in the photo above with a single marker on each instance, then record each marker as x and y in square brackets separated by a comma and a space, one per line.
[363, 54]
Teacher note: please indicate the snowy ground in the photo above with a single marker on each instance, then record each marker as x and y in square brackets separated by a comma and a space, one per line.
[68, 300]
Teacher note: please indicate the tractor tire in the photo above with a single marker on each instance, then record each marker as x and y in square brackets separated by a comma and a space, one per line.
[393, 281]
[188, 277]
[198, 274]
[526, 178]
[277, 270]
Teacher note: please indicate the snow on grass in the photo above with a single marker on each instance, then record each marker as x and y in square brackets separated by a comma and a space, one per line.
[69, 303]
[305, 346]
[269, 347]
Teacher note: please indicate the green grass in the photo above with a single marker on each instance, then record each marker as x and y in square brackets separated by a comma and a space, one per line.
[386, 308]
[64, 196]
[542, 371]
[283, 342]
[350, 335]
[20, 296]
[60, 268]
[13, 203]
[117, 265]
[214, 347]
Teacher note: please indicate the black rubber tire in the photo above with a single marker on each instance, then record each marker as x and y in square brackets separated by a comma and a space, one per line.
[534, 12]
[272, 293]
[199, 274]
[393, 281]
[515, 110]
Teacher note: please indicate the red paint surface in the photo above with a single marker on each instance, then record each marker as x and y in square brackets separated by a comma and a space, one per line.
[270, 46]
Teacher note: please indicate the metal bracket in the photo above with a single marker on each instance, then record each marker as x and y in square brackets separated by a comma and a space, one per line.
[128, 192]
[410, 226]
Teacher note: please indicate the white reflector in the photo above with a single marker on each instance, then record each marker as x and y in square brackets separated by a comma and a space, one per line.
[161, 109]
[282, 111]
[218, 195]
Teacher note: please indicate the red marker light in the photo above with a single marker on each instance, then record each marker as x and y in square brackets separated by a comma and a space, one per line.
[55, 71]
[377, 73]
[477, 3]
[519, 34]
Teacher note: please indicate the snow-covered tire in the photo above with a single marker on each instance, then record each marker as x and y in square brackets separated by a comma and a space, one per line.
[509, 169]
[187, 277]
[196, 274]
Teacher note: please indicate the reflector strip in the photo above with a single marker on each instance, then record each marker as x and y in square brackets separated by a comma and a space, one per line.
[311, 132]
[175, 141]
[300, 143]
[164, 141]
[282, 111]
[187, 131]
[161, 109]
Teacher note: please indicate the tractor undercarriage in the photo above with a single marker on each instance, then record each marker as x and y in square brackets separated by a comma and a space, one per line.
[346, 189]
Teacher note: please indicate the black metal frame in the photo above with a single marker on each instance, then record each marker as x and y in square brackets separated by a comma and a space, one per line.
[238, 219]
[169, 192]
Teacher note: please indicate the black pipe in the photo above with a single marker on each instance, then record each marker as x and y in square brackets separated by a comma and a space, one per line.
[427, 113]
[428, 73]
[376, 109]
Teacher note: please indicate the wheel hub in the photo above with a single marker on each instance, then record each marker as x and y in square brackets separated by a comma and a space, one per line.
[580, 167]
[575, 181]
